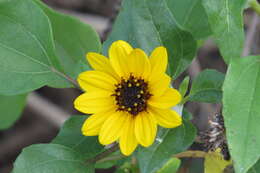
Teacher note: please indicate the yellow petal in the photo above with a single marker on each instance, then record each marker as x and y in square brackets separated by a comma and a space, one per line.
[112, 128]
[94, 80]
[118, 55]
[94, 102]
[170, 97]
[139, 64]
[101, 63]
[158, 60]
[127, 141]
[145, 129]
[158, 86]
[166, 118]
[93, 124]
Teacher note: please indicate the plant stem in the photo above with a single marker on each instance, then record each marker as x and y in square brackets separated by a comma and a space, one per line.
[255, 6]
[194, 154]
[113, 157]
[69, 79]
[184, 100]
[103, 154]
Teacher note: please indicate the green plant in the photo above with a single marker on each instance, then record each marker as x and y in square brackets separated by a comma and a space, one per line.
[40, 47]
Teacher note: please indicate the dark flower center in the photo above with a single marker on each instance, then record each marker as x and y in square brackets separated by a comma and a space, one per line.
[131, 95]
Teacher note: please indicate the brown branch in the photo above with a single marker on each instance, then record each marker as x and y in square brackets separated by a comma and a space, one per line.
[250, 36]
[49, 111]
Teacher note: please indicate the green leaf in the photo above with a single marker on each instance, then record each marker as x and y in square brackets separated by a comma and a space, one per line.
[225, 18]
[255, 168]
[191, 15]
[51, 158]
[11, 108]
[241, 95]
[186, 114]
[27, 54]
[70, 135]
[73, 39]
[127, 167]
[195, 166]
[184, 86]
[215, 163]
[147, 24]
[168, 143]
[171, 166]
[206, 87]
[115, 159]
[106, 164]
[68, 152]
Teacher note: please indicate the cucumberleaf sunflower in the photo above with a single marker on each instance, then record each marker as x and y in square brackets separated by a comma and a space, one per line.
[128, 95]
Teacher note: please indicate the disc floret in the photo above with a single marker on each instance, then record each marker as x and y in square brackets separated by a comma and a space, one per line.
[131, 95]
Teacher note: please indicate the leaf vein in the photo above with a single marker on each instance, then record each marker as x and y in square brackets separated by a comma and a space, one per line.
[32, 36]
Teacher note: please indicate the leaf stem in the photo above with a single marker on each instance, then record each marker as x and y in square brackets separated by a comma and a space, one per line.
[255, 6]
[185, 99]
[189, 153]
[69, 79]
[104, 154]
[113, 157]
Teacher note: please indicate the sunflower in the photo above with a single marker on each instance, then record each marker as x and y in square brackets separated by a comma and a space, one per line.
[128, 95]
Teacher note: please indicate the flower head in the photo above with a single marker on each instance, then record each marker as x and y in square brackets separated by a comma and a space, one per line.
[128, 95]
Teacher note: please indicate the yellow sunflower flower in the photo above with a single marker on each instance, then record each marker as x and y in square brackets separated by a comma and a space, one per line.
[128, 94]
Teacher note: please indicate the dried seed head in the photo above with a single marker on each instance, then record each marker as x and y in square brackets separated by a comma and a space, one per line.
[215, 136]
